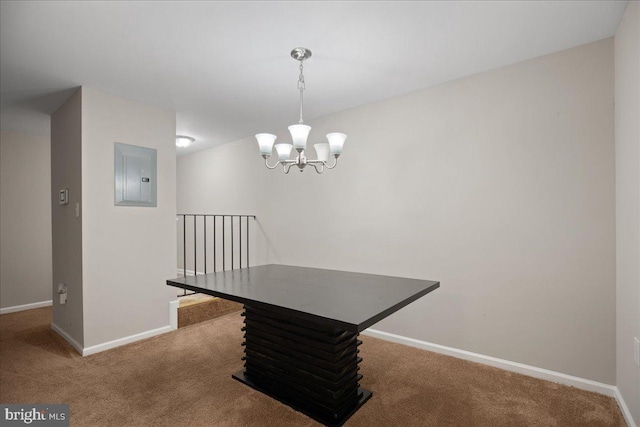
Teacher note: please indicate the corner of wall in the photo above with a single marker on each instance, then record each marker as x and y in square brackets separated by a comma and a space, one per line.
[627, 148]
[66, 225]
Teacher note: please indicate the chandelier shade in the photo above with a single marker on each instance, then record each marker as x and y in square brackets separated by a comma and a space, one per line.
[284, 151]
[322, 151]
[265, 141]
[299, 135]
[336, 141]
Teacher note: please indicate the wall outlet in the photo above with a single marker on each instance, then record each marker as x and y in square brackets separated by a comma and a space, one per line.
[62, 293]
[636, 351]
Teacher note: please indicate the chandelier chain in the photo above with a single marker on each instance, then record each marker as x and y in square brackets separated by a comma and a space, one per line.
[301, 77]
[301, 88]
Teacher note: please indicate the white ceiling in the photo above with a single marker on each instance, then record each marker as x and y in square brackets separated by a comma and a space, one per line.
[224, 67]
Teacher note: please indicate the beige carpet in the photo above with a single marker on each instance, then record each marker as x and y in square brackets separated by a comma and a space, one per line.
[183, 378]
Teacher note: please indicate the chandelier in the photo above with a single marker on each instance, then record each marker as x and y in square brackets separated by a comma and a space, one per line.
[299, 134]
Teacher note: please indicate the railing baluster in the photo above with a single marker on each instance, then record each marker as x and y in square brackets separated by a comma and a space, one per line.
[248, 241]
[224, 246]
[240, 238]
[184, 249]
[204, 218]
[232, 266]
[195, 261]
[215, 258]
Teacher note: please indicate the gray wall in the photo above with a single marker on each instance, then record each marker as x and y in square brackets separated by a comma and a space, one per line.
[25, 219]
[500, 185]
[128, 252]
[115, 260]
[627, 126]
[66, 172]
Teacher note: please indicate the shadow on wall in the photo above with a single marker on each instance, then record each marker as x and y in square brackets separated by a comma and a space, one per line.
[23, 112]
[268, 249]
[45, 104]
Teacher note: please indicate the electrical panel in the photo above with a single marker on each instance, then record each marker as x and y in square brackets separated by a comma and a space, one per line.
[135, 175]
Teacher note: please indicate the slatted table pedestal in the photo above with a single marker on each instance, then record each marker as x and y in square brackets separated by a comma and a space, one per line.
[310, 366]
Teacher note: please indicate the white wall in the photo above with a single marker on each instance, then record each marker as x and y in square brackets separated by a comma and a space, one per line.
[25, 219]
[128, 252]
[499, 185]
[627, 143]
[66, 172]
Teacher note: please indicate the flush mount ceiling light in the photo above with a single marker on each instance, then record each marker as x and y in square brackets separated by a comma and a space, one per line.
[299, 134]
[183, 141]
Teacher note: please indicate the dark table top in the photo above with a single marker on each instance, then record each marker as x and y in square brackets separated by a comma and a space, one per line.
[353, 301]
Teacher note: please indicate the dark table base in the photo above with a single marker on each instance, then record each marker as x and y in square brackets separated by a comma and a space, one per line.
[328, 421]
[304, 363]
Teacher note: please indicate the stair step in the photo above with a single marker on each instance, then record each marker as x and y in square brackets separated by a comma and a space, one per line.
[198, 308]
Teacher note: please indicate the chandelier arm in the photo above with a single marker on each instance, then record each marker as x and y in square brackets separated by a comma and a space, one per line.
[335, 163]
[266, 163]
[318, 167]
[325, 164]
[280, 162]
[286, 167]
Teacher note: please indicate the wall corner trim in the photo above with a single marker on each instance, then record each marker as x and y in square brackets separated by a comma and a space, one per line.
[625, 409]
[125, 340]
[75, 344]
[173, 313]
[507, 365]
[23, 307]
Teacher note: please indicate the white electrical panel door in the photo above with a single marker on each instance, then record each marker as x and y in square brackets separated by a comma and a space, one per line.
[135, 175]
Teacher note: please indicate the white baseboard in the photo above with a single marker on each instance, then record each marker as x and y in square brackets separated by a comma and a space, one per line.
[507, 365]
[86, 351]
[625, 409]
[125, 340]
[189, 272]
[23, 307]
[75, 344]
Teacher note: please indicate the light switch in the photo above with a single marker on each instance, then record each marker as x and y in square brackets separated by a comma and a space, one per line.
[63, 197]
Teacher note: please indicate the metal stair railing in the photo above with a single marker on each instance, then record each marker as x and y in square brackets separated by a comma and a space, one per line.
[226, 231]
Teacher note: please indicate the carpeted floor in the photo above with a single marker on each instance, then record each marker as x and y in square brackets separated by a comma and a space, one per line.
[183, 378]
